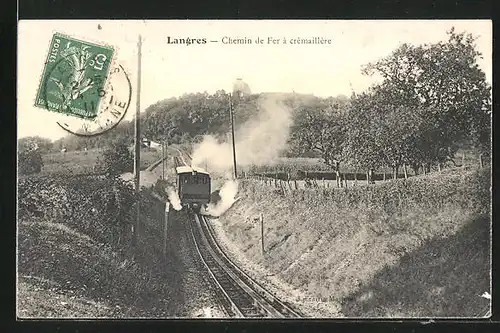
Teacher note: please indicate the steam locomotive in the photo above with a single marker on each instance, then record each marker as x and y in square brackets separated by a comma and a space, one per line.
[193, 186]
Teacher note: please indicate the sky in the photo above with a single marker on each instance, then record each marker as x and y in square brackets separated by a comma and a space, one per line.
[170, 70]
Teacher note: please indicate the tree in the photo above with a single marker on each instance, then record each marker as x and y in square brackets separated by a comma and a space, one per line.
[321, 126]
[444, 85]
[44, 145]
[29, 158]
[116, 159]
[361, 146]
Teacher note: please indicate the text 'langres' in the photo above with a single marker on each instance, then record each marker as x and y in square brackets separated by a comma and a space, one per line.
[186, 41]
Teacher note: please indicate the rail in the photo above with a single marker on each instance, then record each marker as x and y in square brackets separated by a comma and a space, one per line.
[243, 296]
[278, 304]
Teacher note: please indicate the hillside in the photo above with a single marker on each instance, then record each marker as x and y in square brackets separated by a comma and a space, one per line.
[414, 248]
[180, 120]
[64, 273]
[74, 251]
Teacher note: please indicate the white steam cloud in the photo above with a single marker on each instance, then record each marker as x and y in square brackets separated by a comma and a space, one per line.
[174, 199]
[258, 142]
[227, 199]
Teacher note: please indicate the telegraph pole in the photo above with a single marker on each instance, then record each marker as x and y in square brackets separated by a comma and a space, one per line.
[232, 134]
[261, 218]
[137, 142]
[163, 148]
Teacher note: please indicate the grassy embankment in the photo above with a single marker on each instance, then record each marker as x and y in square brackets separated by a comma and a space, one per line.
[74, 252]
[401, 248]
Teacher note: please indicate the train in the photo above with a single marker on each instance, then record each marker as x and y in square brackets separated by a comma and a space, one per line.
[193, 186]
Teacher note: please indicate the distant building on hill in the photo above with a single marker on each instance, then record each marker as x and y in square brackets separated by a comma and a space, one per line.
[241, 87]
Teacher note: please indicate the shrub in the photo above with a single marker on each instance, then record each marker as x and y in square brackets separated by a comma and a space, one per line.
[99, 207]
[116, 159]
[30, 160]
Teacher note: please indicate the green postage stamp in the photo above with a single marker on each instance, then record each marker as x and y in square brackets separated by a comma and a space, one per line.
[74, 77]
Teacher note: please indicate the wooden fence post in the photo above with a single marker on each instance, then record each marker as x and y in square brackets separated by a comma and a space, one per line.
[296, 185]
[481, 162]
[406, 171]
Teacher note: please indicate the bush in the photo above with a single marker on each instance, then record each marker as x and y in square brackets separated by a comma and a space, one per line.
[30, 160]
[101, 208]
[116, 159]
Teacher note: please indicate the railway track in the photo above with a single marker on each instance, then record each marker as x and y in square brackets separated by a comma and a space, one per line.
[181, 159]
[240, 295]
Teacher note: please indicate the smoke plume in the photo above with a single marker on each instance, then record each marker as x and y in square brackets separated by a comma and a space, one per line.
[227, 199]
[258, 141]
[174, 199]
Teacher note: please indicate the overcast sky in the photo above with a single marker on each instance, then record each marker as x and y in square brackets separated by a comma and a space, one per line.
[171, 70]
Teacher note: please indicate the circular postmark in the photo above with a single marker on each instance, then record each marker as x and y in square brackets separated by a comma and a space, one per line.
[115, 100]
[82, 84]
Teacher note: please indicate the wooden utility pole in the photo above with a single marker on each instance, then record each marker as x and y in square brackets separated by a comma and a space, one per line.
[167, 208]
[232, 134]
[261, 218]
[163, 148]
[137, 142]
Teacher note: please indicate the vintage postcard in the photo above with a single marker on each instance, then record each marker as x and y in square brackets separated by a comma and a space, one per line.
[254, 169]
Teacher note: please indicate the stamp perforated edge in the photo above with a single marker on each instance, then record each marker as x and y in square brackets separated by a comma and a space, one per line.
[113, 63]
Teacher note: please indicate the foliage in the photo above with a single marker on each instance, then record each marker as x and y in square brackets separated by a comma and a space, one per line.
[99, 207]
[29, 158]
[431, 98]
[443, 85]
[116, 159]
[44, 145]
[321, 126]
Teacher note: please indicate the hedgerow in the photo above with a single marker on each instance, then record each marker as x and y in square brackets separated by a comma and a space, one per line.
[97, 206]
